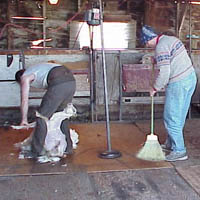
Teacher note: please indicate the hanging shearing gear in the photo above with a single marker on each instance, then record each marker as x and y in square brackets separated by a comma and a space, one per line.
[92, 16]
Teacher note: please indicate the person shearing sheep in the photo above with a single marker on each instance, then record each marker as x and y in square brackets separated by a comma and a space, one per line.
[60, 86]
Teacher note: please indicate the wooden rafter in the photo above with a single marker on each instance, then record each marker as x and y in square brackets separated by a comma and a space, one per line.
[181, 14]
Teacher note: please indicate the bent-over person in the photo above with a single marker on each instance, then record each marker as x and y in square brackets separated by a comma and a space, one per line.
[60, 86]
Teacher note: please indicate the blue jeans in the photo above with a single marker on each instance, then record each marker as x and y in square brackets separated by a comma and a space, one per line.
[177, 102]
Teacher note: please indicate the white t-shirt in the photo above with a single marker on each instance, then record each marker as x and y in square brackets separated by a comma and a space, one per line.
[41, 72]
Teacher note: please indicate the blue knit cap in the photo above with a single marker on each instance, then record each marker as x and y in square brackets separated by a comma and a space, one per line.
[147, 33]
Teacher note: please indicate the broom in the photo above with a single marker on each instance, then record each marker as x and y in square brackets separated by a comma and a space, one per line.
[151, 150]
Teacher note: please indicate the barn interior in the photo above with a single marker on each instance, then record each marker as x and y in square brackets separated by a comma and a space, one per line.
[111, 114]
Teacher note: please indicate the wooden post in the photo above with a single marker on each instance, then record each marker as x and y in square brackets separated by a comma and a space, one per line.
[10, 44]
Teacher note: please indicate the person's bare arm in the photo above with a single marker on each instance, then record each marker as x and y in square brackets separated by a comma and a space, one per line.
[25, 87]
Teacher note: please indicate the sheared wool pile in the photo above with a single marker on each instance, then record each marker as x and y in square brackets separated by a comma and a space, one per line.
[55, 142]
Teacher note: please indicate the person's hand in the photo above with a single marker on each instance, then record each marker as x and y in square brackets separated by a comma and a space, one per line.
[152, 92]
[25, 124]
[153, 60]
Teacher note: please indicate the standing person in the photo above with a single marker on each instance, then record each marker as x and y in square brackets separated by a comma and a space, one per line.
[177, 76]
[60, 84]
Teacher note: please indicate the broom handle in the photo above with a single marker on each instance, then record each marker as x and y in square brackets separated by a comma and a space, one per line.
[152, 112]
[152, 102]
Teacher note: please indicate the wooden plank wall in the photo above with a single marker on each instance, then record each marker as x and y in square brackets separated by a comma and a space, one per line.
[19, 33]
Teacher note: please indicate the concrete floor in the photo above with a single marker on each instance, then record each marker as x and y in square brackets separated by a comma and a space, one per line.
[85, 176]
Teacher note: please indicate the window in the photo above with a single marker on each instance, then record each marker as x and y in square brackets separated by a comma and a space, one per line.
[115, 35]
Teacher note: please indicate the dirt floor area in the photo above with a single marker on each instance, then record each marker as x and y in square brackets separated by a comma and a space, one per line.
[85, 176]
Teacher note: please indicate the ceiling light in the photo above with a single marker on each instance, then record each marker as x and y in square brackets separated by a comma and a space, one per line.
[195, 2]
[37, 42]
[33, 18]
[54, 2]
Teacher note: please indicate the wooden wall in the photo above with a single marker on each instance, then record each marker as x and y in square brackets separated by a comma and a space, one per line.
[181, 19]
[163, 15]
[19, 33]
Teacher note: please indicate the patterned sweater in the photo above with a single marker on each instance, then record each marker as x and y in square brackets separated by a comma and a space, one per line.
[172, 60]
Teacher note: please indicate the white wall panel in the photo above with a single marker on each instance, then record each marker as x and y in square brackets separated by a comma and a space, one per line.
[10, 94]
[8, 72]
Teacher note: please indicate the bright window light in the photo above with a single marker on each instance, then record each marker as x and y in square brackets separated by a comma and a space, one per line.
[195, 2]
[53, 2]
[115, 35]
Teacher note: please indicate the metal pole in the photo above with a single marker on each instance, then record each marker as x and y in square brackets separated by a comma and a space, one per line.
[91, 32]
[190, 30]
[44, 23]
[120, 86]
[190, 49]
[109, 153]
[95, 56]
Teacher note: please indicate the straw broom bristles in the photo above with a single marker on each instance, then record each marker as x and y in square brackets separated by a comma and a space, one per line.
[151, 150]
